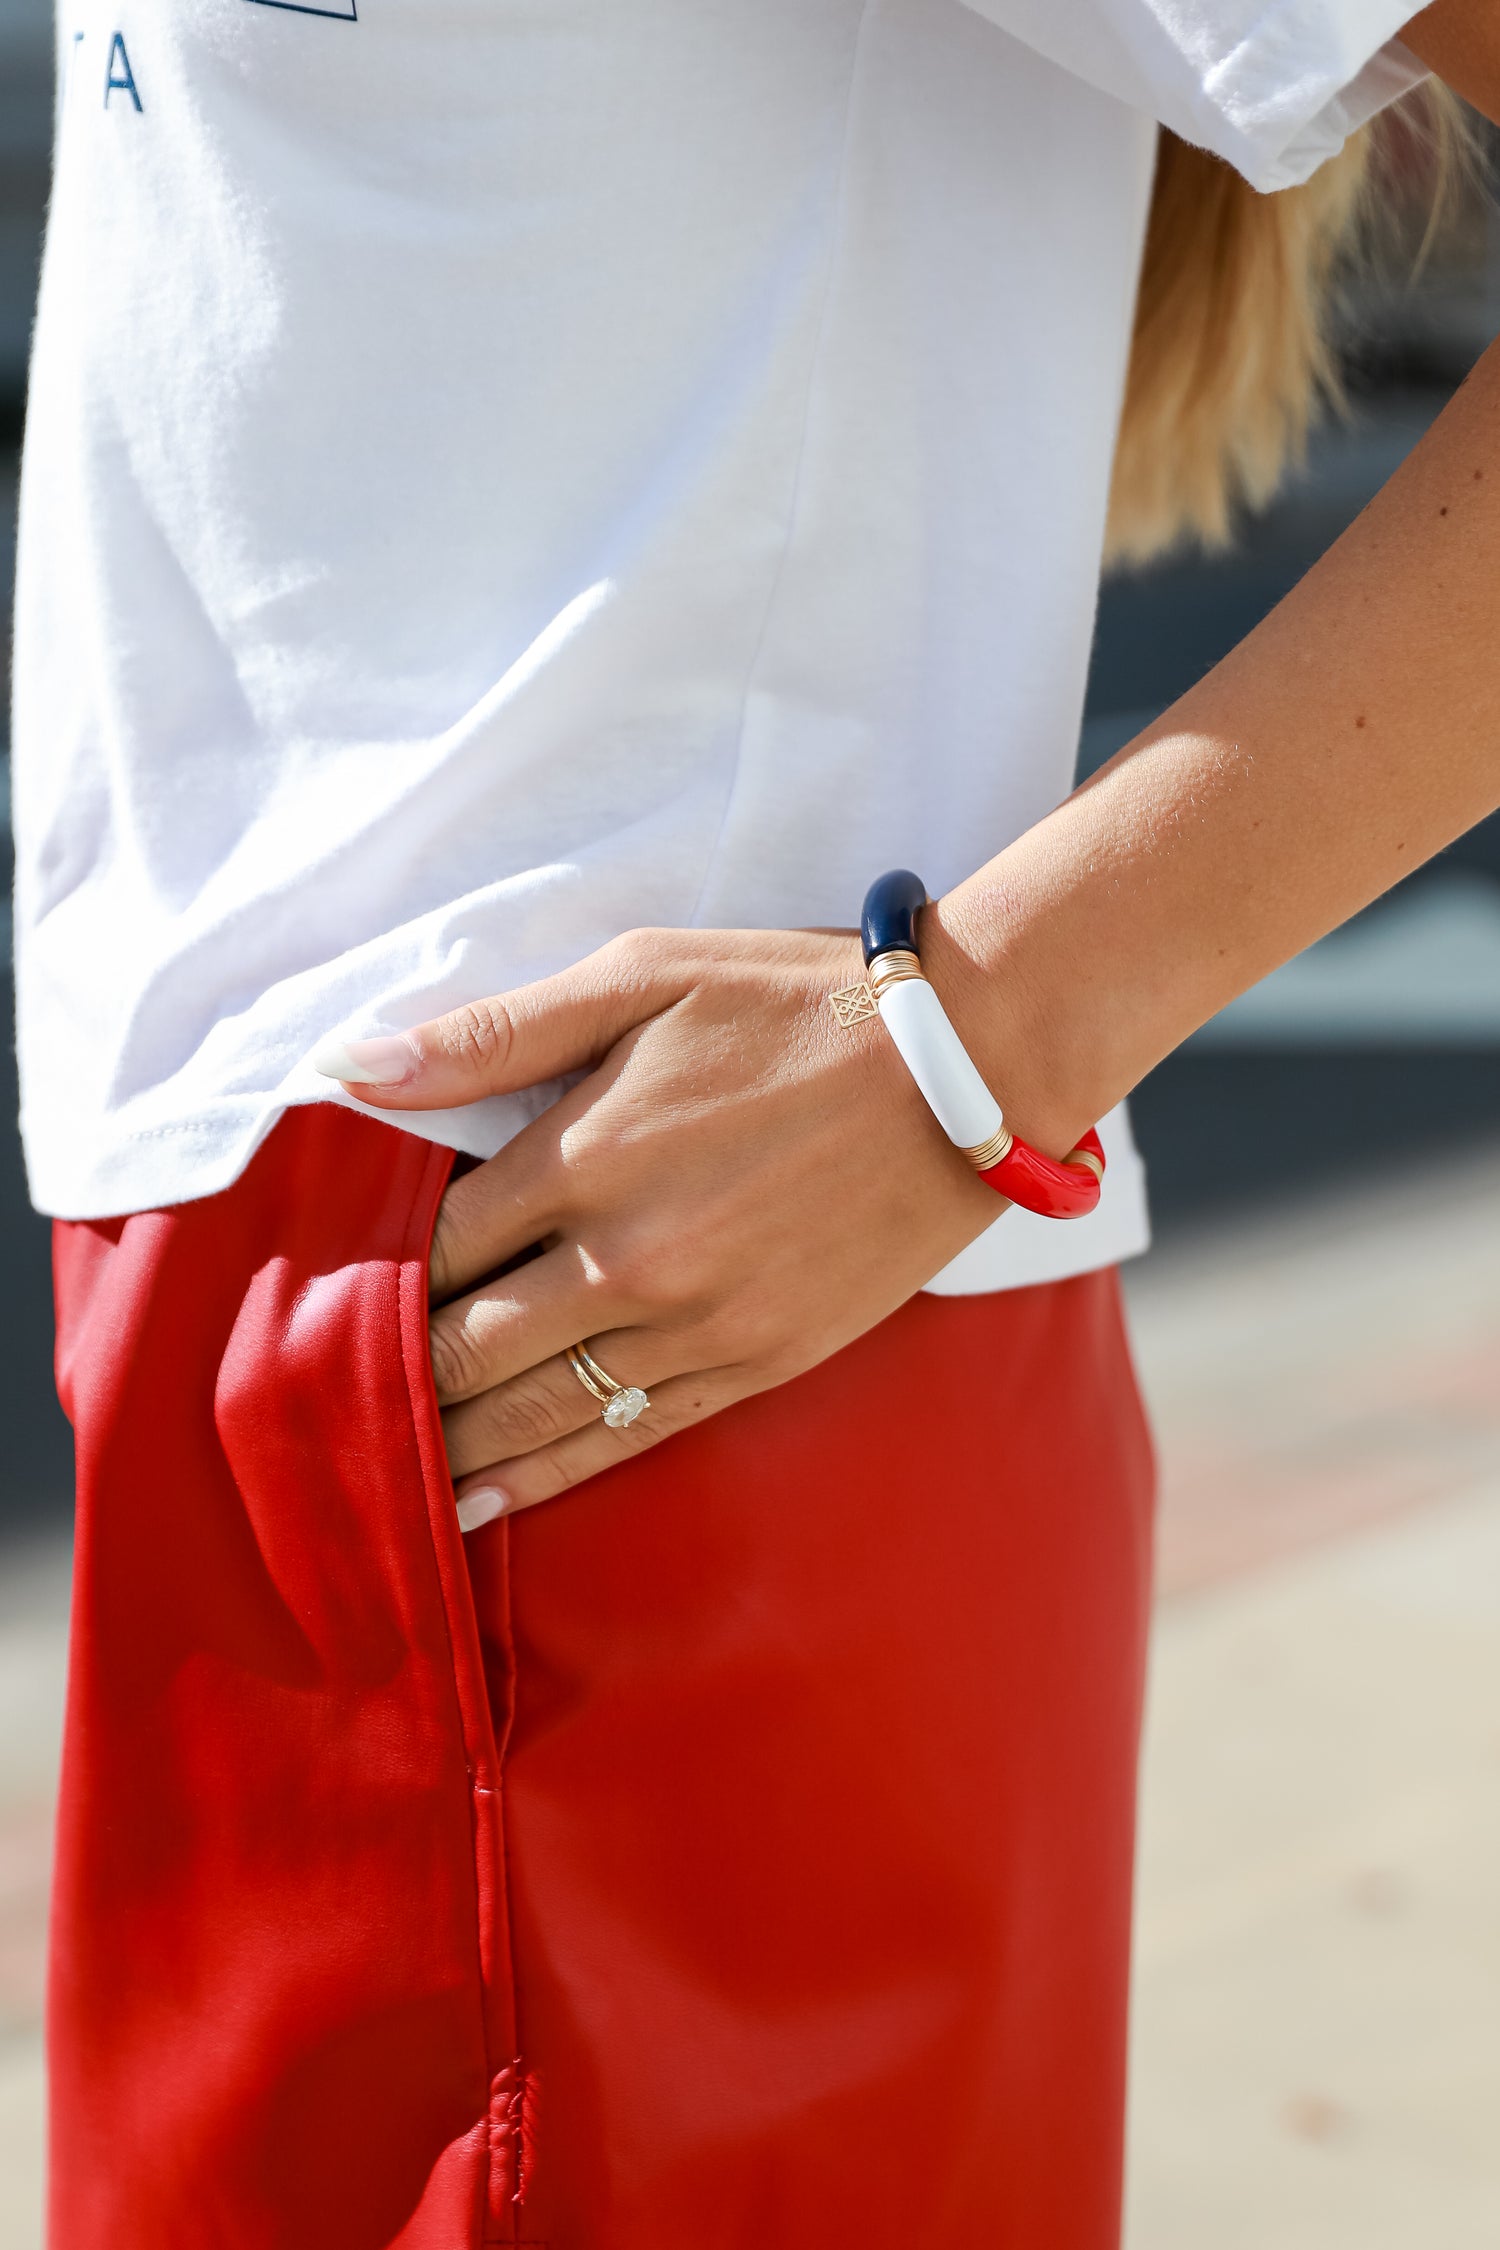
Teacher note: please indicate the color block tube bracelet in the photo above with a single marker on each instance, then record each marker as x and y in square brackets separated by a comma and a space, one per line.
[952, 1088]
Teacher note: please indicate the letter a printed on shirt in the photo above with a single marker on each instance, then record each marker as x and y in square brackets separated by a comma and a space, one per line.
[120, 78]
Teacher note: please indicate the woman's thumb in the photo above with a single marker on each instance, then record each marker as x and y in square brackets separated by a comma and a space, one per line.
[494, 1046]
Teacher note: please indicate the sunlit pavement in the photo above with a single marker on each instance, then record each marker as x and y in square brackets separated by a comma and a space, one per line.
[33, 1592]
[1317, 2051]
[1317, 2031]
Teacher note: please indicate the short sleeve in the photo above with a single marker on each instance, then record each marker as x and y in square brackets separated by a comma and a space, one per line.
[1273, 86]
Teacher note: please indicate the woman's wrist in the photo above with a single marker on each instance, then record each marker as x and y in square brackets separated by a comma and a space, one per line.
[973, 950]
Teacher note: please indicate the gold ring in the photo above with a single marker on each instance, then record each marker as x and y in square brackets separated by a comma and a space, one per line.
[619, 1403]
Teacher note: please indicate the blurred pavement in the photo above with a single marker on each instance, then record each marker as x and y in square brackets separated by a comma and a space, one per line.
[1317, 2048]
[1317, 2029]
[33, 1605]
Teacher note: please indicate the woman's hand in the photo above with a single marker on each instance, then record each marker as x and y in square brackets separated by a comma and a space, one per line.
[736, 1189]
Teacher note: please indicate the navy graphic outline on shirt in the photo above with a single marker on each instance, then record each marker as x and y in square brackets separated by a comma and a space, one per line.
[347, 14]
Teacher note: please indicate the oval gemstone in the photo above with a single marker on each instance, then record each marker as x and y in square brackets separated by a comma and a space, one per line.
[625, 1406]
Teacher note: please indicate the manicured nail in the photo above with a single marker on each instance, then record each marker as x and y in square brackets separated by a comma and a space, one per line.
[367, 1062]
[482, 1506]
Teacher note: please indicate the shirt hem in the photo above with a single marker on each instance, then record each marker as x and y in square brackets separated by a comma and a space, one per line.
[191, 1159]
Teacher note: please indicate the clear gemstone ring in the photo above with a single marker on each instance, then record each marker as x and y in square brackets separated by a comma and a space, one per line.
[619, 1404]
[625, 1406]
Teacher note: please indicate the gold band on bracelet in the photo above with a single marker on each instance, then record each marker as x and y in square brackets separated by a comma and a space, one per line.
[993, 1151]
[893, 968]
[1086, 1157]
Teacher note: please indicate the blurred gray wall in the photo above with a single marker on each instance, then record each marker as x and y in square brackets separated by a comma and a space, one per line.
[25, 139]
[36, 1461]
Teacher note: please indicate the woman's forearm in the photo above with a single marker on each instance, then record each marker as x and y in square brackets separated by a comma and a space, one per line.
[1354, 733]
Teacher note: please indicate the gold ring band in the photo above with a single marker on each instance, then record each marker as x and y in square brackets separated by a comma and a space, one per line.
[596, 1390]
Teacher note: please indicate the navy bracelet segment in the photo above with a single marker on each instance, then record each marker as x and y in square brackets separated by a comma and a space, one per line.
[889, 921]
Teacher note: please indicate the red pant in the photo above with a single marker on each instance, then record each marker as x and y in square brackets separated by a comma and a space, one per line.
[732, 1855]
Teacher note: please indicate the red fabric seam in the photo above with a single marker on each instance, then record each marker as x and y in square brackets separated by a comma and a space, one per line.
[522, 2151]
[437, 1486]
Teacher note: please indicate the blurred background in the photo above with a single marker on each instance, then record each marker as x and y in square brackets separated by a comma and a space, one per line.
[1318, 2015]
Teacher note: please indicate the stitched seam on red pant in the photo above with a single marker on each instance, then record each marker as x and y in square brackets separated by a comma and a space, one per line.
[438, 1491]
[516, 2122]
[512, 2140]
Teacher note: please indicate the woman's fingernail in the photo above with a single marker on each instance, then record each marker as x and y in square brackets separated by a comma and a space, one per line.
[482, 1506]
[367, 1062]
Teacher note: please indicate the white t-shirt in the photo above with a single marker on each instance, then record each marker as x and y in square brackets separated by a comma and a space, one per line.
[500, 474]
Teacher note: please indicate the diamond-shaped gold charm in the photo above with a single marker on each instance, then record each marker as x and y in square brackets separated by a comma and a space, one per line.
[855, 1004]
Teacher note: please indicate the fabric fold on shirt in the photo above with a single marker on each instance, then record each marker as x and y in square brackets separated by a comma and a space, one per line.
[1274, 90]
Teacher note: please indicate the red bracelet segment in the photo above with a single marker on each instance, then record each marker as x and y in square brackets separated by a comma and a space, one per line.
[1053, 1190]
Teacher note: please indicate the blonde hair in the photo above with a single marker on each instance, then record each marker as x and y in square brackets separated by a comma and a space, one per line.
[1234, 354]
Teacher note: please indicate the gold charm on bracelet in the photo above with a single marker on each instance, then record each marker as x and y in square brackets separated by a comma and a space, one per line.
[854, 1004]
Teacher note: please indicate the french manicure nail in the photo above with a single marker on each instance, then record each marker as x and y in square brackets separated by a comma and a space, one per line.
[366, 1062]
[482, 1506]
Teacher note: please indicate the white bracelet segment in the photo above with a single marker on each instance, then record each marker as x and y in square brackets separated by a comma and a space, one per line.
[937, 1059]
